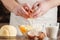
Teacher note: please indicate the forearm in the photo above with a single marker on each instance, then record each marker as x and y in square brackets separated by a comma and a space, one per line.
[10, 4]
[54, 3]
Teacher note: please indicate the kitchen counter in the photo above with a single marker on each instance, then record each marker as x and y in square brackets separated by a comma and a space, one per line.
[23, 38]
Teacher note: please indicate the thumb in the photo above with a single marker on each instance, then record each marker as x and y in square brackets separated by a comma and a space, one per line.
[27, 7]
[37, 4]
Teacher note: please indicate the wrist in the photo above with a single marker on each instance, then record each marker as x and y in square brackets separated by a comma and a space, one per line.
[13, 6]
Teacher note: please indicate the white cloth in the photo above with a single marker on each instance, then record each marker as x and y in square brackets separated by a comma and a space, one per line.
[49, 17]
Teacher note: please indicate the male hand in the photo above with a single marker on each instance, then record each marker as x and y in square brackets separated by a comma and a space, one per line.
[23, 10]
[40, 8]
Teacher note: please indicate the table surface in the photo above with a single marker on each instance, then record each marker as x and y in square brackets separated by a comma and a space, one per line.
[23, 38]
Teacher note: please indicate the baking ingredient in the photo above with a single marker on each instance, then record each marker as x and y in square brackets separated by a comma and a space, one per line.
[31, 34]
[25, 28]
[41, 35]
[8, 30]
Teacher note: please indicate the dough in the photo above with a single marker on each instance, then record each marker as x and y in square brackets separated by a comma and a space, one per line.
[8, 30]
[4, 32]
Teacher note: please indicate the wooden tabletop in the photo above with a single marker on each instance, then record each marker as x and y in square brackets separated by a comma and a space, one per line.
[23, 38]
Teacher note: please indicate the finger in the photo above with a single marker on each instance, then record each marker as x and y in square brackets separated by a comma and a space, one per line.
[17, 13]
[24, 13]
[37, 11]
[20, 12]
[27, 7]
[29, 13]
[39, 15]
[36, 14]
[35, 5]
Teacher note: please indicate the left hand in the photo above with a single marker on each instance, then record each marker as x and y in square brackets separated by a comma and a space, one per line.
[43, 7]
[23, 10]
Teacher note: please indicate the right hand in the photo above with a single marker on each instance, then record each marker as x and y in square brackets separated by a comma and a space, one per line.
[21, 11]
[42, 8]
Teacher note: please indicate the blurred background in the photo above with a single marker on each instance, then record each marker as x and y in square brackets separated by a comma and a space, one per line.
[58, 14]
[5, 15]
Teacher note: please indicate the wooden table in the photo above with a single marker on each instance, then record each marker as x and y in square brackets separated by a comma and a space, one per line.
[23, 38]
